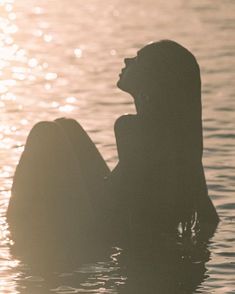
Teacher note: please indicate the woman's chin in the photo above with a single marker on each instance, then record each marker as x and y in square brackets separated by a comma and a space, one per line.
[121, 85]
[124, 85]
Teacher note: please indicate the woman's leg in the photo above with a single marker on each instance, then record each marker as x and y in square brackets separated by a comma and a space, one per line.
[94, 168]
[49, 192]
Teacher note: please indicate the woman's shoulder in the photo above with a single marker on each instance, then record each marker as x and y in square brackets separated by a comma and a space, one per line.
[126, 121]
[126, 118]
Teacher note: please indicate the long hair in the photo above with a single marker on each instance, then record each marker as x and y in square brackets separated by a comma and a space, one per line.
[173, 83]
[171, 79]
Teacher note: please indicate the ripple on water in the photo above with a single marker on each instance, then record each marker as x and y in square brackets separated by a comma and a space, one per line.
[53, 52]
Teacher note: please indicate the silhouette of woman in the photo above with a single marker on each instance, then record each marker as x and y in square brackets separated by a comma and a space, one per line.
[62, 186]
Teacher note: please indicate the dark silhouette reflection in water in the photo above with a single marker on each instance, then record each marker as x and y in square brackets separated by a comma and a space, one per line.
[65, 200]
[174, 265]
[170, 267]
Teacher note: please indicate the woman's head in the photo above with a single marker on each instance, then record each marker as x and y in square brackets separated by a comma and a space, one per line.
[164, 79]
[164, 72]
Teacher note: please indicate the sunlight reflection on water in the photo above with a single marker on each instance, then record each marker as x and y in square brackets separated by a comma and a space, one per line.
[63, 60]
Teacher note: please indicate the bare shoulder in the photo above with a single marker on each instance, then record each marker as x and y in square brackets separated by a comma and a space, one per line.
[126, 122]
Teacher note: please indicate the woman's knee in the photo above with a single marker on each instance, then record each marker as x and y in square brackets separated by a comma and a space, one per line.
[43, 128]
[70, 125]
[47, 155]
[44, 132]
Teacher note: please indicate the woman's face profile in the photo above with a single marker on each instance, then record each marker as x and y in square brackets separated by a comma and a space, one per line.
[130, 76]
[133, 75]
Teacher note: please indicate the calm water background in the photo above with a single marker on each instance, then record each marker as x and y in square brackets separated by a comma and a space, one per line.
[62, 58]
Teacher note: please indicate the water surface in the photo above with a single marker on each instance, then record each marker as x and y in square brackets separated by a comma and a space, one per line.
[62, 58]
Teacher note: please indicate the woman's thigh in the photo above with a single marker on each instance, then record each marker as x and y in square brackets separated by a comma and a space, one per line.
[49, 190]
[91, 163]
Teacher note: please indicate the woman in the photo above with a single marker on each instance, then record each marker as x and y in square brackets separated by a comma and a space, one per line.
[62, 182]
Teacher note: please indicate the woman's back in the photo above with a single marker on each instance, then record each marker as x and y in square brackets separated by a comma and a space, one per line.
[162, 186]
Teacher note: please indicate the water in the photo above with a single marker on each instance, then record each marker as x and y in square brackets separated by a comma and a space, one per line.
[62, 58]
